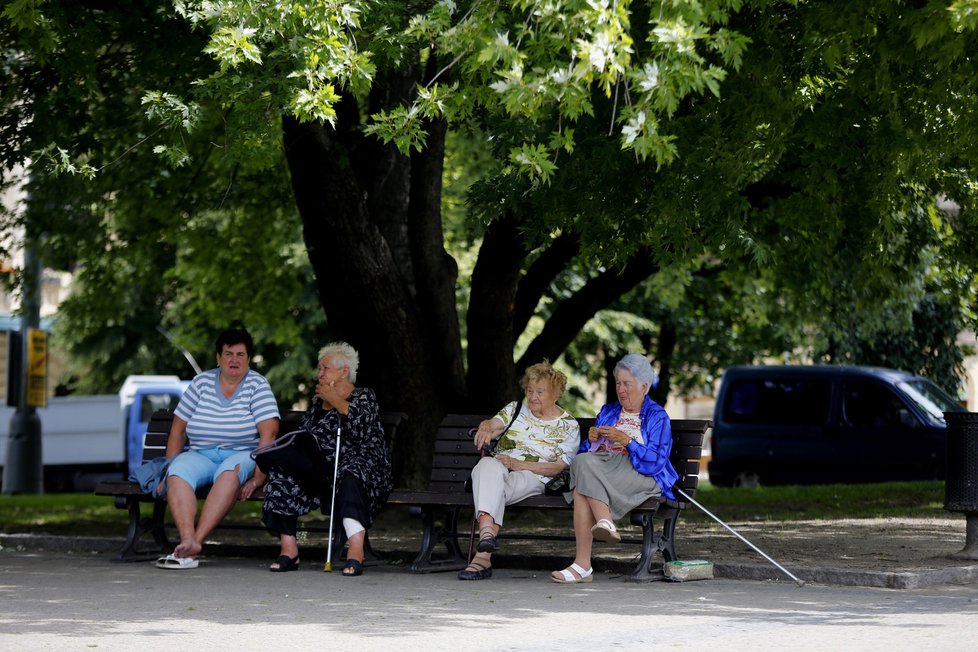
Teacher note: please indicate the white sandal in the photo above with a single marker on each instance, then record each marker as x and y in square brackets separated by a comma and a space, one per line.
[604, 530]
[567, 577]
[172, 562]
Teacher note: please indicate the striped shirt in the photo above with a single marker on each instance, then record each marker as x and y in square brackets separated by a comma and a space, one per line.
[215, 421]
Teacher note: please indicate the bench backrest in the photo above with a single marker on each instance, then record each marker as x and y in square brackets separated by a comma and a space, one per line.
[455, 455]
[154, 443]
[687, 451]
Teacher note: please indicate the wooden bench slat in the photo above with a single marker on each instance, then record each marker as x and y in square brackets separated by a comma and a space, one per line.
[130, 496]
[452, 461]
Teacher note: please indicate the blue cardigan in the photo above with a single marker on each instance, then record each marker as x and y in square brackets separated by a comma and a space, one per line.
[652, 457]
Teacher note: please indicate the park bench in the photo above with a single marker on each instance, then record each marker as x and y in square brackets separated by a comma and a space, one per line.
[442, 503]
[130, 496]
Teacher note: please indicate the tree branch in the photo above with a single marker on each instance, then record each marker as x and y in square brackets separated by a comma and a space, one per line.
[541, 273]
[571, 315]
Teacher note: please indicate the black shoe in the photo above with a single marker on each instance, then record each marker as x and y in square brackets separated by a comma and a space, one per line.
[285, 564]
[353, 568]
[487, 543]
[479, 572]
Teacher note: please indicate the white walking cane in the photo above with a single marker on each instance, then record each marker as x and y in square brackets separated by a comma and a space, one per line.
[739, 536]
[328, 568]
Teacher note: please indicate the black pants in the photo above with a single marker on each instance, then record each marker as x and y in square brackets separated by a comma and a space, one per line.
[351, 502]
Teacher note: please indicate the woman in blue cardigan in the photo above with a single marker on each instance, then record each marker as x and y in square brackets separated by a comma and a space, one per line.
[627, 463]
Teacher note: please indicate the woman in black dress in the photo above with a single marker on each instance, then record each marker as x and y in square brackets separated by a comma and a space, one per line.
[300, 479]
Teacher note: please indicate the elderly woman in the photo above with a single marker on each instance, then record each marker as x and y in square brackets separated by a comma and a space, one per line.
[539, 443]
[296, 483]
[225, 413]
[624, 462]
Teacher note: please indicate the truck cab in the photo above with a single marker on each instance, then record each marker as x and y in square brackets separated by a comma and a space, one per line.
[142, 396]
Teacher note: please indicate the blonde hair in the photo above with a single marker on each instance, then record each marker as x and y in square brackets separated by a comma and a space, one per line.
[543, 371]
[342, 354]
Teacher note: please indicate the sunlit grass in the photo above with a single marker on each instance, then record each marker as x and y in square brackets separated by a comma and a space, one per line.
[84, 514]
[834, 501]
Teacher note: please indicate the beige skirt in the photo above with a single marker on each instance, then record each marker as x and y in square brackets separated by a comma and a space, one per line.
[610, 478]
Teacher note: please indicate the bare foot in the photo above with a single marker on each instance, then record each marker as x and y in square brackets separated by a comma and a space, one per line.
[187, 549]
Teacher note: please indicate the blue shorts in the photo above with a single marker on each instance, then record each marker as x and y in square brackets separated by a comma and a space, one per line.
[202, 466]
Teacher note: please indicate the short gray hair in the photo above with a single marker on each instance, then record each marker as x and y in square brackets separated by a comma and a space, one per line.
[639, 366]
[344, 354]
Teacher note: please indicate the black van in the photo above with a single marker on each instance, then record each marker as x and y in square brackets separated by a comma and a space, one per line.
[821, 424]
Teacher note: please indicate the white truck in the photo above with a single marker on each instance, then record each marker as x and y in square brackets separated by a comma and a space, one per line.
[88, 438]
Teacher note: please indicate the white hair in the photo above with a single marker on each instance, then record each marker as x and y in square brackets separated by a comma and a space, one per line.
[638, 366]
[342, 354]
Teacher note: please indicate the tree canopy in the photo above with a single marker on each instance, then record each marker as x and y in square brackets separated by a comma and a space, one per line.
[805, 168]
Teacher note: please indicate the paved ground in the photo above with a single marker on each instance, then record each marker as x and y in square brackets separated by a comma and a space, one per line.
[65, 593]
[83, 601]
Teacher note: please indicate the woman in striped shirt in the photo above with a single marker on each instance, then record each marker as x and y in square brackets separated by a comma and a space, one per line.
[223, 415]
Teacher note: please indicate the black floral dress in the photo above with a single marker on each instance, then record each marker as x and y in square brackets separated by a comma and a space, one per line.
[363, 454]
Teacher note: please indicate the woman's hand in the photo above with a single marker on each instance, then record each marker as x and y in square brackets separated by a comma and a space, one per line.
[248, 488]
[593, 434]
[485, 432]
[510, 463]
[614, 435]
[327, 392]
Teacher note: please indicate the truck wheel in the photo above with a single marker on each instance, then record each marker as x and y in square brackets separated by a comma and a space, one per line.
[747, 480]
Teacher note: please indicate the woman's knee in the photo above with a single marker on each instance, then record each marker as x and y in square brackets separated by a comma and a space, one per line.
[585, 464]
[191, 467]
[241, 466]
[486, 467]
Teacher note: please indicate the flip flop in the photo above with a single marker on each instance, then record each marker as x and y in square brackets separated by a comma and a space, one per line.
[172, 562]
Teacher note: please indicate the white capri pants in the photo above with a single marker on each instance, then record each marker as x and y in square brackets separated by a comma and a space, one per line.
[494, 486]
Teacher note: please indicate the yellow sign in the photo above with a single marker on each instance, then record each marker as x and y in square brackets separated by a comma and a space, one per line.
[37, 367]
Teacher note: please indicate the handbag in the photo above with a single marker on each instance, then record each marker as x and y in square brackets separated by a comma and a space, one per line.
[558, 484]
[300, 442]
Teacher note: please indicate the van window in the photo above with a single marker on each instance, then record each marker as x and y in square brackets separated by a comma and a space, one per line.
[868, 405]
[931, 399]
[789, 401]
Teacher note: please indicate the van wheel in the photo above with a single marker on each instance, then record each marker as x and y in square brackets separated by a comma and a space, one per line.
[747, 480]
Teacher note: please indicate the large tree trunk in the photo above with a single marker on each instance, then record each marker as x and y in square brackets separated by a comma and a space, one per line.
[492, 375]
[367, 300]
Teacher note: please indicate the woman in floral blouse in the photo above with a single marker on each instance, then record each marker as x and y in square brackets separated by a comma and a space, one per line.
[540, 443]
[299, 483]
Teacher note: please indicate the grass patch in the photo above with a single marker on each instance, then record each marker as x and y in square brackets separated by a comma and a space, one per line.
[831, 501]
[87, 514]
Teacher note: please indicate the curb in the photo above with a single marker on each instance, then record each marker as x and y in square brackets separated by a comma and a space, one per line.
[916, 579]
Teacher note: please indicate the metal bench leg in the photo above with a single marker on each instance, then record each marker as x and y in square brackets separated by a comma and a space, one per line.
[643, 571]
[138, 526]
[431, 536]
[667, 540]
